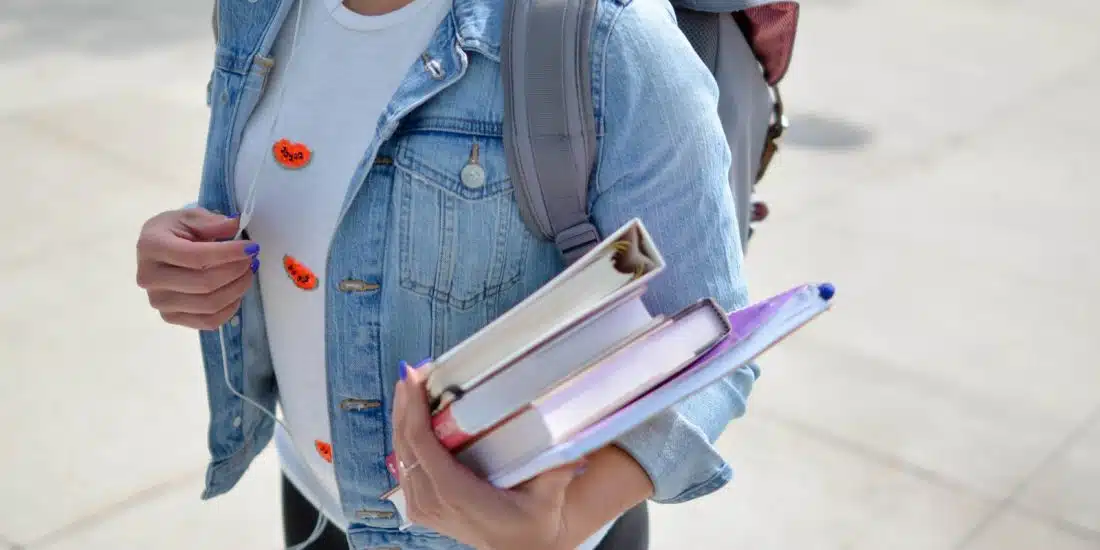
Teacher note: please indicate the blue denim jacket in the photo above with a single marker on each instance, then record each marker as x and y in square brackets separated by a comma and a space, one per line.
[442, 260]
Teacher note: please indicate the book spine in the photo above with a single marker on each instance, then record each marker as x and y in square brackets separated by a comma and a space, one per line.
[447, 431]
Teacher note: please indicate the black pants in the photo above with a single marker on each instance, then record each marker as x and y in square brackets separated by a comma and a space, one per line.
[630, 532]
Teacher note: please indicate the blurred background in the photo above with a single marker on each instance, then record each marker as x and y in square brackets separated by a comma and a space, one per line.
[937, 171]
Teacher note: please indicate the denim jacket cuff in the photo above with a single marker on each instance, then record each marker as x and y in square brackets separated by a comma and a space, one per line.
[675, 454]
[675, 448]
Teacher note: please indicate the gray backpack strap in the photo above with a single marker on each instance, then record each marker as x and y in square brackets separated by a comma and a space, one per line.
[549, 126]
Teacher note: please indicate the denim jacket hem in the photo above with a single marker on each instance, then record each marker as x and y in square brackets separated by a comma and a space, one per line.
[223, 474]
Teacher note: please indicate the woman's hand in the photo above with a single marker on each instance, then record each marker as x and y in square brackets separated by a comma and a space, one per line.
[193, 276]
[444, 495]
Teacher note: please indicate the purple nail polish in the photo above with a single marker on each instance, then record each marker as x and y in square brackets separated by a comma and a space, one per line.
[233, 216]
[252, 249]
[422, 363]
[403, 369]
[255, 265]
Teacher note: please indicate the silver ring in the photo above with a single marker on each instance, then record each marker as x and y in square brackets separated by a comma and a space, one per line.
[405, 470]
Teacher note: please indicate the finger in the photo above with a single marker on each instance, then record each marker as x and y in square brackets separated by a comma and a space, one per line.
[422, 504]
[155, 276]
[416, 421]
[406, 453]
[174, 250]
[205, 225]
[202, 322]
[453, 480]
[401, 447]
[201, 304]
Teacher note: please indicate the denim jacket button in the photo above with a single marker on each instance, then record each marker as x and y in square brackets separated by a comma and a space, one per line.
[433, 66]
[235, 321]
[355, 285]
[359, 404]
[473, 176]
[236, 422]
[374, 514]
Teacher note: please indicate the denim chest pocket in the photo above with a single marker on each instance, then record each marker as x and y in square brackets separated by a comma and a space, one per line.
[462, 239]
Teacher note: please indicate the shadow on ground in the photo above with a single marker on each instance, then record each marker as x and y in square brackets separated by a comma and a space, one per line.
[815, 131]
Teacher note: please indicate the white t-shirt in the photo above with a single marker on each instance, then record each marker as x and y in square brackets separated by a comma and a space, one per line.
[338, 85]
[345, 71]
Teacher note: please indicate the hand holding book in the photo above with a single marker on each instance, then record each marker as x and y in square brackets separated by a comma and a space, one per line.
[580, 363]
[449, 498]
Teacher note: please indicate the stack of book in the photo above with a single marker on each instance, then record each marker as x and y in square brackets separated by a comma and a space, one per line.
[582, 361]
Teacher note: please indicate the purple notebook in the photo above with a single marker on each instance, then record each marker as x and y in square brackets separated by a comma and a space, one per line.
[755, 329]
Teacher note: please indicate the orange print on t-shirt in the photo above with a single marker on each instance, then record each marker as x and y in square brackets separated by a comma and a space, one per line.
[302, 276]
[324, 449]
[291, 155]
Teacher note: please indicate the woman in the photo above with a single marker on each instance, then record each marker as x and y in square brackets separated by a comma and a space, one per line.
[339, 136]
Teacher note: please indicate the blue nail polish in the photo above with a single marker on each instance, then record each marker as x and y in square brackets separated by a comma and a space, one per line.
[422, 363]
[233, 216]
[255, 265]
[826, 291]
[403, 369]
[252, 249]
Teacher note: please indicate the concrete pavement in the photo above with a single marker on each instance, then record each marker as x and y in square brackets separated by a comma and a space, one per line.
[938, 171]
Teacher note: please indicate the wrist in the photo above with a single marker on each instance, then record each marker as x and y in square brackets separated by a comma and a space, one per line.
[612, 484]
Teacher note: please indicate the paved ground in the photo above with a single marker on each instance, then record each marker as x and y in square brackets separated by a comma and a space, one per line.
[938, 172]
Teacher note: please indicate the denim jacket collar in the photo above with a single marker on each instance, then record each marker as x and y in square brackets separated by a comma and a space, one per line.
[478, 25]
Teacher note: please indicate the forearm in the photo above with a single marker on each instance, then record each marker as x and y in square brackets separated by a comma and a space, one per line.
[612, 484]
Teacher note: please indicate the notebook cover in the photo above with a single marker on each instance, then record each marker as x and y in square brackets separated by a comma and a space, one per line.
[645, 241]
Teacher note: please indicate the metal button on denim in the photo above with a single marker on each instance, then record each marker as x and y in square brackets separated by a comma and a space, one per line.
[355, 285]
[374, 514]
[433, 66]
[473, 176]
[359, 404]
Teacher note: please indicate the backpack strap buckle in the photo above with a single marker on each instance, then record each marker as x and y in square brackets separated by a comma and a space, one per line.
[775, 133]
[576, 241]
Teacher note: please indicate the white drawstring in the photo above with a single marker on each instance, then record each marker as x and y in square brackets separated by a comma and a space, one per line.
[250, 199]
[246, 216]
[322, 520]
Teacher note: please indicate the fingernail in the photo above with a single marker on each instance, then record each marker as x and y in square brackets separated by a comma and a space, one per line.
[403, 369]
[252, 249]
[233, 216]
[255, 265]
[422, 363]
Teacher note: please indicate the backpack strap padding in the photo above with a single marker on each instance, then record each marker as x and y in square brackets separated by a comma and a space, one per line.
[549, 125]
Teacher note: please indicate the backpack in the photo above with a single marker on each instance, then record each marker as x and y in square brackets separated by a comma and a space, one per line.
[549, 128]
